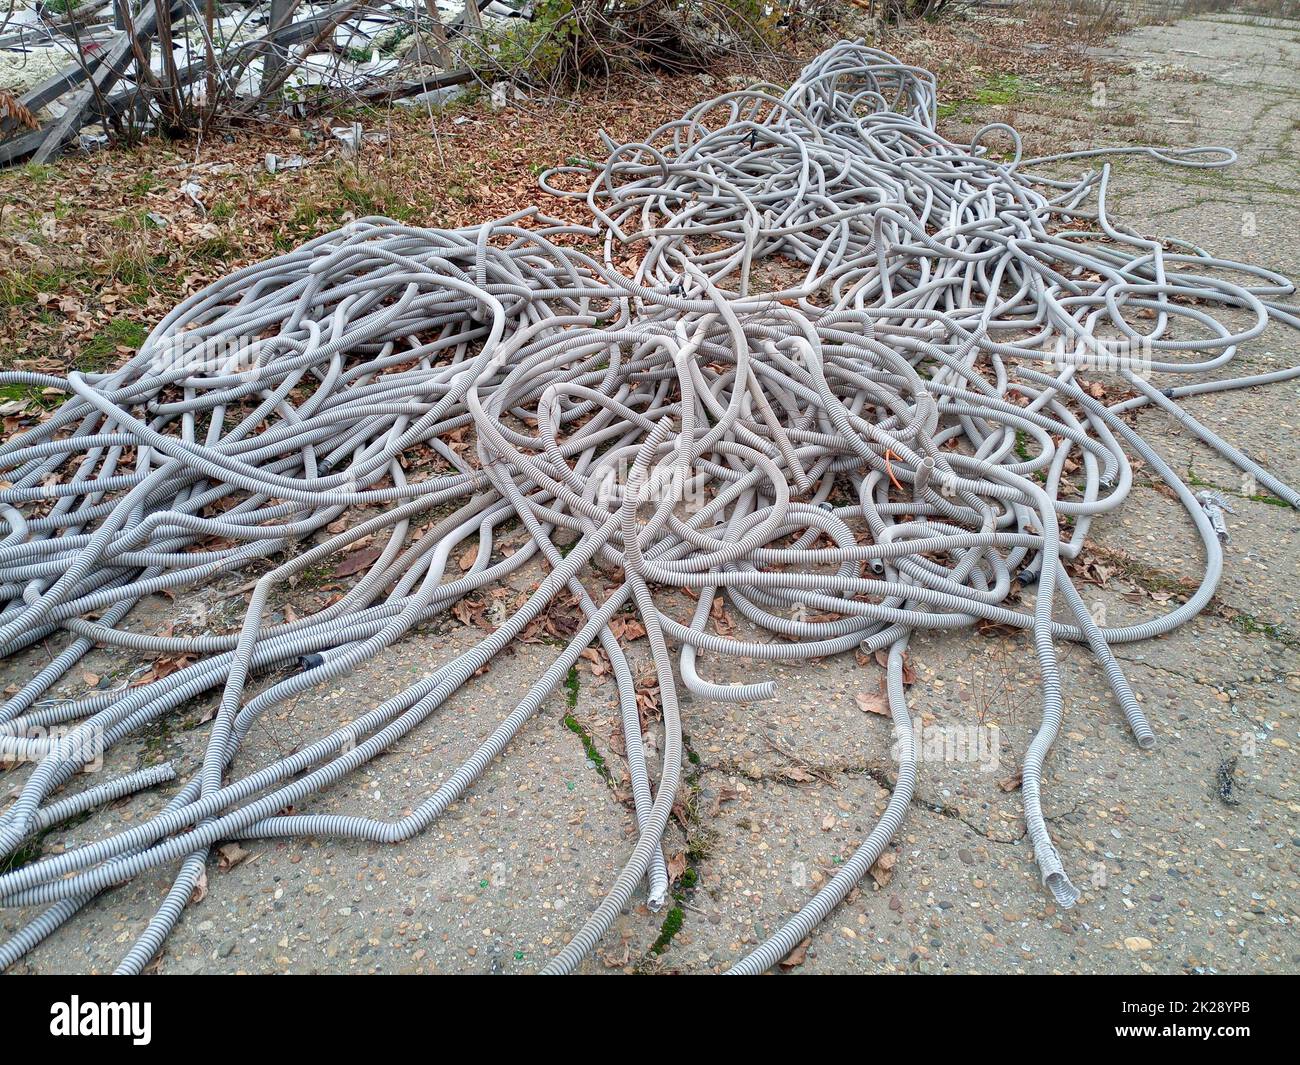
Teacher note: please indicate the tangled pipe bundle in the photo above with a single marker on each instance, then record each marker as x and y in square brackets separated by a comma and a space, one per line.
[886, 441]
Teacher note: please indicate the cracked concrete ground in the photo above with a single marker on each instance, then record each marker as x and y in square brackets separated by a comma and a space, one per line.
[1187, 853]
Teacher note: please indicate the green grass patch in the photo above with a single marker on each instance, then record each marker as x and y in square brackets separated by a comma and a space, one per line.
[31, 395]
[1001, 89]
[101, 351]
[21, 289]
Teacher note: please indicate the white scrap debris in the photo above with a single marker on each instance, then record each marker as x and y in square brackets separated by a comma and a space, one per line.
[349, 137]
[193, 192]
[283, 162]
[1215, 506]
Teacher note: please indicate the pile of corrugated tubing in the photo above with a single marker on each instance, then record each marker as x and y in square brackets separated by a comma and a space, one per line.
[895, 441]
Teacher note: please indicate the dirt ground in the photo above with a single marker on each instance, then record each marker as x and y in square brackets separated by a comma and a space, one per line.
[1187, 853]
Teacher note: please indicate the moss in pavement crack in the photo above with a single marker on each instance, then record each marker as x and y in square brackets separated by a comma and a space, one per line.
[589, 745]
[671, 926]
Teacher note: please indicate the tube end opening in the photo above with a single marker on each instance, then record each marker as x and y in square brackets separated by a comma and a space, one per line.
[1065, 893]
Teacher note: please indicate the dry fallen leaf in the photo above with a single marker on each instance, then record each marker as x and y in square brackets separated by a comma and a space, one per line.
[676, 867]
[882, 872]
[614, 958]
[725, 794]
[626, 628]
[357, 561]
[796, 957]
[909, 674]
[873, 703]
[230, 855]
[596, 660]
